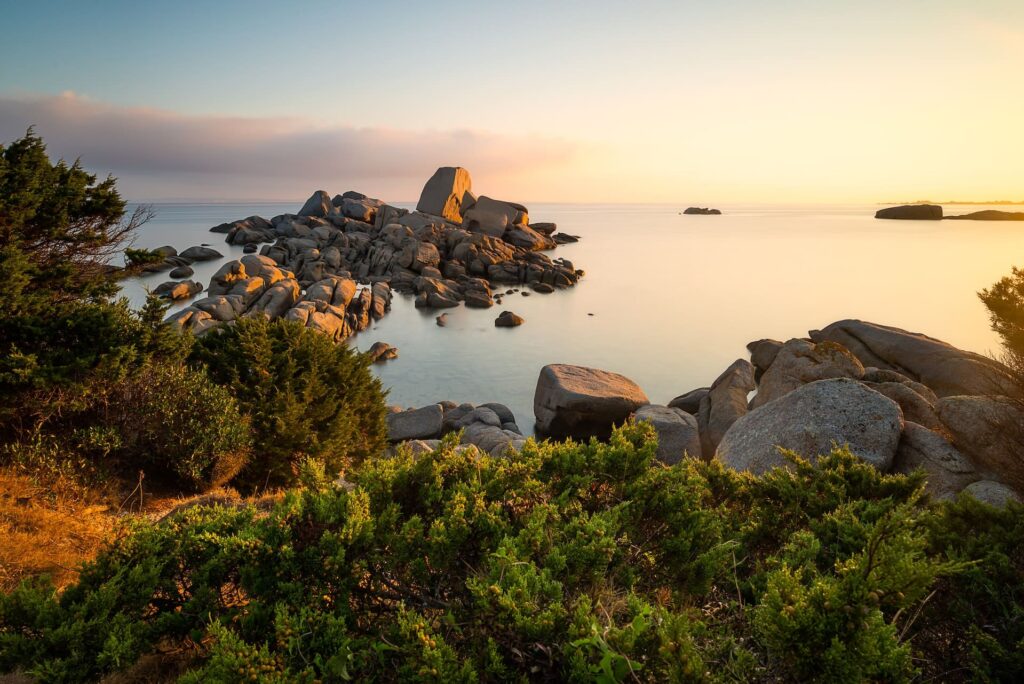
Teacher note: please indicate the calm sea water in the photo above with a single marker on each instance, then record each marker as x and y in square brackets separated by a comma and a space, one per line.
[670, 300]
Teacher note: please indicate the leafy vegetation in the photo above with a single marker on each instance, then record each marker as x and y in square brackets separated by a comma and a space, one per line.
[89, 387]
[1005, 303]
[567, 562]
[305, 395]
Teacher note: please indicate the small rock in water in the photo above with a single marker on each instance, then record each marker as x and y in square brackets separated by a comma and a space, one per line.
[525, 293]
[507, 319]
[543, 288]
[442, 320]
[250, 248]
[181, 272]
[382, 351]
[590, 314]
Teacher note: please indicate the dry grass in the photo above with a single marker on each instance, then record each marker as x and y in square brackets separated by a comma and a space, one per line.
[52, 528]
[47, 530]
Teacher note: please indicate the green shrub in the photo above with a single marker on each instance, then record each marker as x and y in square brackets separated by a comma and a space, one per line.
[568, 562]
[305, 395]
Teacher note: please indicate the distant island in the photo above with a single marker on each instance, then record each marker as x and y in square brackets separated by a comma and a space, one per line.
[957, 202]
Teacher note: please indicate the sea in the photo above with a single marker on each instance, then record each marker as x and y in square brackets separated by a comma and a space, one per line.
[668, 300]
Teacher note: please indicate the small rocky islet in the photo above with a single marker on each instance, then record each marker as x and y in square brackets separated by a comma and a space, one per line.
[455, 248]
[934, 212]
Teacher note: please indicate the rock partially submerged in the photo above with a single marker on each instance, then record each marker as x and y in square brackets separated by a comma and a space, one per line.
[508, 319]
[382, 351]
[490, 428]
[702, 211]
[911, 212]
[580, 402]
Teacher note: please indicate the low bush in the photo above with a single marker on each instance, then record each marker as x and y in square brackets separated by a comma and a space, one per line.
[306, 396]
[567, 562]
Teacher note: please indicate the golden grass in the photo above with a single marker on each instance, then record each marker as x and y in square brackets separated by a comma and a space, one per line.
[52, 528]
[47, 530]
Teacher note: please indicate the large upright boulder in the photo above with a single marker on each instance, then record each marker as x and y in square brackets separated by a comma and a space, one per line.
[948, 371]
[580, 402]
[319, 205]
[799, 362]
[911, 212]
[724, 403]
[445, 193]
[809, 420]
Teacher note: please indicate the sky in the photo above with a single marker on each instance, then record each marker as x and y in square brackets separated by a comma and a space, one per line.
[599, 101]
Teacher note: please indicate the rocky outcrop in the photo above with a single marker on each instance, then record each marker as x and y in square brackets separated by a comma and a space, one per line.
[799, 362]
[948, 470]
[677, 432]
[580, 402]
[701, 211]
[989, 431]
[911, 212]
[724, 403]
[172, 290]
[354, 238]
[990, 215]
[493, 217]
[489, 428]
[942, 367]
[809, 420]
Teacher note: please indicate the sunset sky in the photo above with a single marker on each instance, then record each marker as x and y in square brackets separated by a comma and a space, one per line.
[596, 101]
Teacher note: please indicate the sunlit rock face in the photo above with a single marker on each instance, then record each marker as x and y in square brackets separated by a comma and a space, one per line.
[447, 193]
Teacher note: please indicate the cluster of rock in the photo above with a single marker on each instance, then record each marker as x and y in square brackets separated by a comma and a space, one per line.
[899, 400]
[933, 212]
[180, 266]
[455, 248]
[702, 211]
[490, 428]
[256, 286]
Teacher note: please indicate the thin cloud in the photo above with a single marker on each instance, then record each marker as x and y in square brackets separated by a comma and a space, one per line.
[163, 154]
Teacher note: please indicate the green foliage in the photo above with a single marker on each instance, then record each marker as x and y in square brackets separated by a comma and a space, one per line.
[306, 396]
[141, 257]
[568, 562]
[1005, 304]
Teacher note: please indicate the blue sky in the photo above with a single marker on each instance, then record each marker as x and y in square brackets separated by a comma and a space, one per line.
[727, 100]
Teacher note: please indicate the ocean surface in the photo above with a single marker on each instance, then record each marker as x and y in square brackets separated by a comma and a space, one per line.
[669, 300]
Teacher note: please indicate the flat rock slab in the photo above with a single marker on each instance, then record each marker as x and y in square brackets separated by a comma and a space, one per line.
[809, 420]
[580, 402]
[946, 370]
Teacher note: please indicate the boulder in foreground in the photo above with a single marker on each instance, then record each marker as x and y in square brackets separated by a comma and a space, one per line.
[677, 432]
[810, 420]
[580, 402]
[911, 212]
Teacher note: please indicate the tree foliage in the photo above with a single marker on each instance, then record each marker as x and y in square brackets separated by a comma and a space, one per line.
[1005, 304]
[306, 396]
